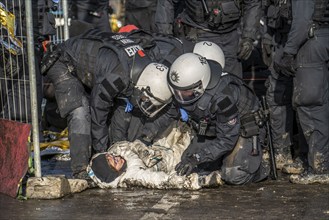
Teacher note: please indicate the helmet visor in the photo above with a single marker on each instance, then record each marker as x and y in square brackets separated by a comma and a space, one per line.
[147, 103]
[188, 96]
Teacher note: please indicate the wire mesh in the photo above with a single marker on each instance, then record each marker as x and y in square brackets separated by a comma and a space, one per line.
[14, 77]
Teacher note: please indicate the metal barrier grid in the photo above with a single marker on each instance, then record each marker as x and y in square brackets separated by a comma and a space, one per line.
[19, 65]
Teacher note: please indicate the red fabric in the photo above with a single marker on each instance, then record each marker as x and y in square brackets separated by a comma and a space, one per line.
[128, 28]
[13, 155]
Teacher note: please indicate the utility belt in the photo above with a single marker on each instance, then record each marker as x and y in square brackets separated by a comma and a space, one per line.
[251, 123]
[202, 128]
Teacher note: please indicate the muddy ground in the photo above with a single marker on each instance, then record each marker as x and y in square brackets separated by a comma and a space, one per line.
[267, 200]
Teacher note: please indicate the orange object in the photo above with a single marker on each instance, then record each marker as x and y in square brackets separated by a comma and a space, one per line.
[128, 28]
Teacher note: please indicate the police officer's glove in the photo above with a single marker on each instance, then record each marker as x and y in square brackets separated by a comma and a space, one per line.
[186, 166]
[267, 47]
[286, 65]
[245, 48]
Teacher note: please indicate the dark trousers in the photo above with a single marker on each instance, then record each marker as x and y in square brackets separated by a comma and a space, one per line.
[73, 104]
[311, 98]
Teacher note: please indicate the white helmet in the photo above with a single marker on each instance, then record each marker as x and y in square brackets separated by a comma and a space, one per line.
[189, 76]
[211, 51]
[152, 92]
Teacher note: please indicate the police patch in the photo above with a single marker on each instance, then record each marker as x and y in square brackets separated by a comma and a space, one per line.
[132, 50]
[174, 76]
[203, 60]
[232, 122]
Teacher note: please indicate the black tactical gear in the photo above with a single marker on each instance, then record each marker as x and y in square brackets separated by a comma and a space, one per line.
[213, 20]
[160, 48]
[215, 119]
[306, 42]
[141, 14]
[98, 62]
[95, 12]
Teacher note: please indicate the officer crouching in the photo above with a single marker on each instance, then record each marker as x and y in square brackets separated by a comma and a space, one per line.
[224, 114]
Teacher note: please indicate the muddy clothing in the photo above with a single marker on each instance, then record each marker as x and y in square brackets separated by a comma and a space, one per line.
[92, 70]
[153, 166]
[217, 21]
[311, 93]
[225, 121]
[300, 29]
[279, 86]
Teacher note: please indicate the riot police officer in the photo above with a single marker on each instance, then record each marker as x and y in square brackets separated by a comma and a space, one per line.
[164, 49]
[305, 60]
[279, 86]
[160, 48]
[93, 71]
[225, 116]
[216, 21]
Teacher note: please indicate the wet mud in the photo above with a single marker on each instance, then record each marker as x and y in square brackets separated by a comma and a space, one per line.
[266, 200]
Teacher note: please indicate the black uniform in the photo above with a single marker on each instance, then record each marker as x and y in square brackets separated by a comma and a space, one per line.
[98, 62]
[279, 86]
[141, 13]
[95, 12]
[225, 122]
[160, 48]
[217, 21]
[308, 42]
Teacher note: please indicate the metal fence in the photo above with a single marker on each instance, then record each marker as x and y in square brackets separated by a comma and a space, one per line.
[26, 26]
[14, 78]
[23, 31]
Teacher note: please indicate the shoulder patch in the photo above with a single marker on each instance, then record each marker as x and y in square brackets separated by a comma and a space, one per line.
[224, 104]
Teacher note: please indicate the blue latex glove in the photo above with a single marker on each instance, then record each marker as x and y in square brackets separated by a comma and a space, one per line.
[184, 115]
[129, 106]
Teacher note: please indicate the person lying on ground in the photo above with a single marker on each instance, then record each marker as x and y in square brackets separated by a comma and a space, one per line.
[130, 164]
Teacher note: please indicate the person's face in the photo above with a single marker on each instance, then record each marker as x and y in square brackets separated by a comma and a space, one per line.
[116, 162]
[187, 94]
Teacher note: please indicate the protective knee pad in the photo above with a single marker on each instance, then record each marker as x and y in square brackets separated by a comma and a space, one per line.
[235, 176]
[69, 95]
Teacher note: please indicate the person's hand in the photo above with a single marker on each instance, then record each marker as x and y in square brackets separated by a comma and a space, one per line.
[267, 46]
[245, 48]
[186, 166]
[286, 65]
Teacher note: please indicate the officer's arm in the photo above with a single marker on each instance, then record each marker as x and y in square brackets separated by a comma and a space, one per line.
[100, 106]
[251, 18]
[120, 122]
[302, 12]
[164, 16]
